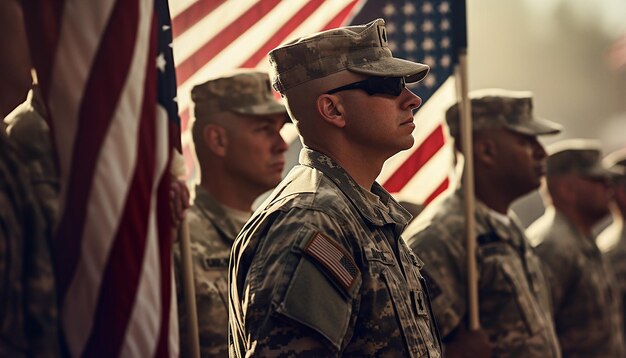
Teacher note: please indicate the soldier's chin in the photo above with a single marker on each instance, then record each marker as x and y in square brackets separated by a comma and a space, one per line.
[409, 143]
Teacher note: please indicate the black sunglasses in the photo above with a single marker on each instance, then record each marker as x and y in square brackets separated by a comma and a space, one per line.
[392, 86]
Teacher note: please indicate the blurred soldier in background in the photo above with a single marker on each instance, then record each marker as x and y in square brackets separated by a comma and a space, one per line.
[587, 307]
[612, 241]
[321, 270]
[238, 144]
[29, 319]
[28, 129]
[514, 297]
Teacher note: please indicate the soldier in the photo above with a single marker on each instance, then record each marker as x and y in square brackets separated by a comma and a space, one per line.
[29, 320]
[586, 299]
[514, 299]
[320, 270]
[30, 133]
[612, 241]
[240, 150]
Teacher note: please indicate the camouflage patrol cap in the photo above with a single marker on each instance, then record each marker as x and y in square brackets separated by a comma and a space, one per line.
[360, 49]
[577, 156]
[241, 91]
[499, 108]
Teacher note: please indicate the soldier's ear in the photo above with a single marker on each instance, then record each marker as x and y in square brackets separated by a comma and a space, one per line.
[484, 150]
[331, 109]
[216, 139]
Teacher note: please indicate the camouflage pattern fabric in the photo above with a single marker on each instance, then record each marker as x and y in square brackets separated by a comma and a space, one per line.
[500, 108]
[212, 233]
[28, 310]
[587, 305]
[515, 302]
[361, 49]
[241, 91]
[576, 156]
[360, 294]
[616, 256]
[29, 131]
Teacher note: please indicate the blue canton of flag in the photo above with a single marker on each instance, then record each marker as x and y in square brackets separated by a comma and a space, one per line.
[166, 77]
[430, 32]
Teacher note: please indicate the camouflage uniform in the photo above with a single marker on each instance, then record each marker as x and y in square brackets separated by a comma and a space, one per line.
[586, 299]
[28, 311]
[587, 304]
[612, 241]
[515, 305]
[28, 129]
[319, 271]
[212, 233]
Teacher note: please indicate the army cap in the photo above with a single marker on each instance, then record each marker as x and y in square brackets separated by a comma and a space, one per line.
[360, 49]
[241, 91]
[577, 156]
[500, 108]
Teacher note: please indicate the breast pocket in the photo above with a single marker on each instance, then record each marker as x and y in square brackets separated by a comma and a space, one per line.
[405, 297]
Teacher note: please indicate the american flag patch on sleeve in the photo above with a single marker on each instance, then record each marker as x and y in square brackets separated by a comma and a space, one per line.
[334, 258]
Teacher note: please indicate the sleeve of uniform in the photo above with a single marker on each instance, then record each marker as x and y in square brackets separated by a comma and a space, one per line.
[441, 271]
[304, 282]
[560, 268]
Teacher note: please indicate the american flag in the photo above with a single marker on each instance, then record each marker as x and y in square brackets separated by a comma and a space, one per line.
[104, 69]
[334, 259]
[211, 36]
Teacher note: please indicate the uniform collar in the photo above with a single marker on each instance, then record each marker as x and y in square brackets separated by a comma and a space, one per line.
[486, 221]
[390, 212]
[562, 224]
[214, 212]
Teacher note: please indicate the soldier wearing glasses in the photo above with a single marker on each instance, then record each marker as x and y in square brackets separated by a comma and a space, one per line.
[320, 269]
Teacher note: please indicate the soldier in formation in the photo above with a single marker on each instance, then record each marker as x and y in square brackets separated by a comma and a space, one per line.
[515, 305]
[321, 269]
[586, 298]
[240, 150]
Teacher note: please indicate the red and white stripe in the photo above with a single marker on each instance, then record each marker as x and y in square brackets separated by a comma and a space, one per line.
[424, 172]
[212, 36]
[96, 65]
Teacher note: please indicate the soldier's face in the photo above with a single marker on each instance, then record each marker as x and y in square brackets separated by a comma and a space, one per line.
[593, 196]
[521, 159]
[255, 151]
[379, 124]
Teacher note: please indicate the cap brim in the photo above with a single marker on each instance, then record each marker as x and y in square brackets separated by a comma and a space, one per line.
[537, 126]
[264, 109]
[392, 67]
[599, 172]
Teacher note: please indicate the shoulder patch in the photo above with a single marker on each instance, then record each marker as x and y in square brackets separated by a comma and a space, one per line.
[334, 258]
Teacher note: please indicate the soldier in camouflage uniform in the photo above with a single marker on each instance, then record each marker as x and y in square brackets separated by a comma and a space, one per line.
[612, 241]
[241, 155]
[30, 133]
[321, 270]
[587, 305]
[28, 311]
[514, 298]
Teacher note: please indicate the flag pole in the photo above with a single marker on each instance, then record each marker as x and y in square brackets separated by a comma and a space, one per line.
[189, 289]
[468, 189]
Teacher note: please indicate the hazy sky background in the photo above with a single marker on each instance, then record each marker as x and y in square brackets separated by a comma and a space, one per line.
[558, 50]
